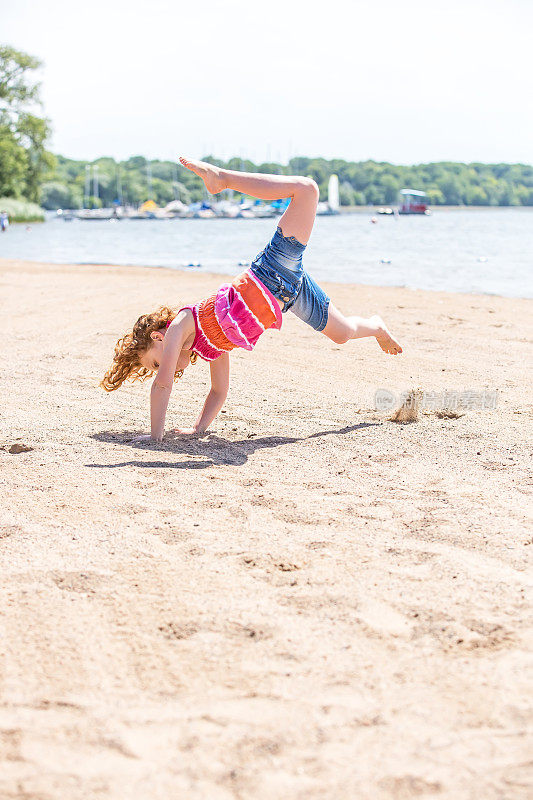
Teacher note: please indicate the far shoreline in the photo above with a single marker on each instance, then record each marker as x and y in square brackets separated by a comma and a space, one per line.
[433, 209]
[50, 212]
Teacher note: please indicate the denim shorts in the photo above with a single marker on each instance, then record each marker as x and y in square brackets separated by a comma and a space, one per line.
[279, 266]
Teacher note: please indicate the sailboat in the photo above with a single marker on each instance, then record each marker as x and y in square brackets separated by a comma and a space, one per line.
[92, 213]
[333, 194]
[332, 205]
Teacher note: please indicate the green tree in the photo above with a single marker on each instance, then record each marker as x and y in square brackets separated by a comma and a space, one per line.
[13, 164]
[19, 98]
[452, 190]
[163, 191]
[391, 187]
[346, 194]
[56, 195]
[476, 196]
[435, 196]
[509, 196]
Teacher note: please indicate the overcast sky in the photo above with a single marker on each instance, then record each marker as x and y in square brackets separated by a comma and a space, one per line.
[405, 81]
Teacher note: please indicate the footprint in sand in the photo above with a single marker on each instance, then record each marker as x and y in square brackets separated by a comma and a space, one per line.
[83, 582]
[177, 631]
[9, 530]
[382, 619]
[268, 563]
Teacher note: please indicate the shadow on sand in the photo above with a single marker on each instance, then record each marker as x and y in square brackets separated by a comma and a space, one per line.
[208, 449]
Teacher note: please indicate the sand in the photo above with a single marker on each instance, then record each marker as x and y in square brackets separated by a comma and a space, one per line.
[310, 601]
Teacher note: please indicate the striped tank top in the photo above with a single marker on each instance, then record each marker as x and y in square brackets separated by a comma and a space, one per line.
[235, 316]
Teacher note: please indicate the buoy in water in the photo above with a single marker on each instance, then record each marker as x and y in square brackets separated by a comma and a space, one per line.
[386, 260]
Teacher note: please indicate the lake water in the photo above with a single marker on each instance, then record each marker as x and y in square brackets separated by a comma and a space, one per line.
[463, 250]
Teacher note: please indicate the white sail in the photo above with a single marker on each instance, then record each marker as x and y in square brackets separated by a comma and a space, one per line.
[333, 193]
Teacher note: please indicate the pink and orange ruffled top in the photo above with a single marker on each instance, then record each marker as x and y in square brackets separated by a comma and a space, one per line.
[235, 316]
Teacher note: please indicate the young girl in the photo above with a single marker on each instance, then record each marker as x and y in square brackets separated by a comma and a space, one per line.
[166, 342]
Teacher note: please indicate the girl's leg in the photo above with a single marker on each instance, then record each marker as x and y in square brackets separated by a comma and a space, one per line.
[341, 329]
[299, 217]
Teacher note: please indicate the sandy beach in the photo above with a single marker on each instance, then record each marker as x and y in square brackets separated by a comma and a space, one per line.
[310, 601]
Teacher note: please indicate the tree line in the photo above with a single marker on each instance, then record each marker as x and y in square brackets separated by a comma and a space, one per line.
[360, 183]
[23, 134]
[29, 172]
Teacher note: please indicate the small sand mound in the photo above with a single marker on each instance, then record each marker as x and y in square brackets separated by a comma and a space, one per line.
[408, 411]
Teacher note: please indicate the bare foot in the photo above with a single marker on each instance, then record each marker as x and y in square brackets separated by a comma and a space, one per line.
[385, 339]
[210, 175]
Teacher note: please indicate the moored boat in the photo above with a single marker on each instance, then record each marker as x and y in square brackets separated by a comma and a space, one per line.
[413, 201]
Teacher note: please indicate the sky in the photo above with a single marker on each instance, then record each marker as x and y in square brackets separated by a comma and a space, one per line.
[405, 81]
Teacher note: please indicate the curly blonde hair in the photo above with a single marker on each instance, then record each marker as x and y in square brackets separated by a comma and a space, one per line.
[128, 350]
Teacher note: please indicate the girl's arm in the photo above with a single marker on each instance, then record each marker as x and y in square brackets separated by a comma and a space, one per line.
[159, 397]
[162, 385]
[216, 397]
